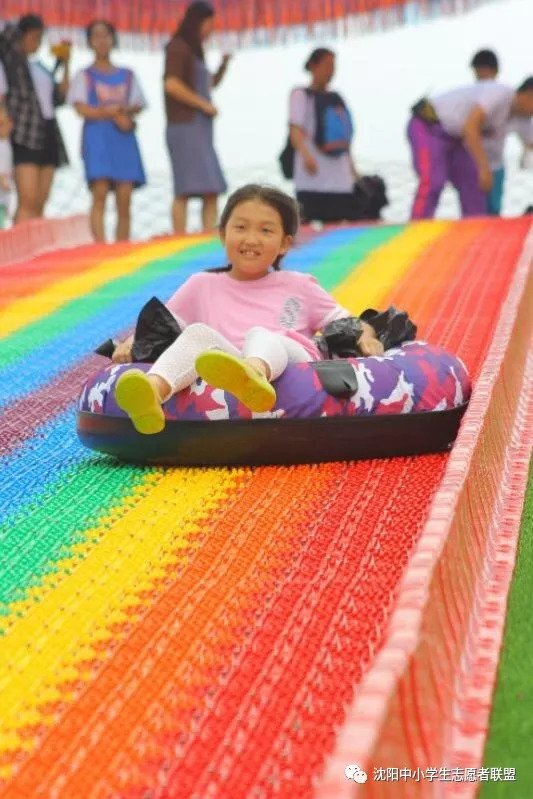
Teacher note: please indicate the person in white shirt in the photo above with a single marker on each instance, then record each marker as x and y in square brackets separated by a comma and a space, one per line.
[486, 67]
[447, 135]
[323, 178]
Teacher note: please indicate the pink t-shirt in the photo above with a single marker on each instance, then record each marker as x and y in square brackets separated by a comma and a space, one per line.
[288, 303]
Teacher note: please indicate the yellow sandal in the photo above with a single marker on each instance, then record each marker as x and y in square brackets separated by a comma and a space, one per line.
[136, 395]
[233, 374]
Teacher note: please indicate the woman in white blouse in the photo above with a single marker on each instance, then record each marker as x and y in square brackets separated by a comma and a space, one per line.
[323, 181]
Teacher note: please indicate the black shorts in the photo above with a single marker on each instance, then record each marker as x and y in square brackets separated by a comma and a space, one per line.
[48, 155]
[317, 206]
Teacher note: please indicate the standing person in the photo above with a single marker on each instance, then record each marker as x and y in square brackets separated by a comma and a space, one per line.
[33, 94]
[108, 98]
[6, 155]
[486, 67]
[324, 171]
[190, 112]
[446, 138]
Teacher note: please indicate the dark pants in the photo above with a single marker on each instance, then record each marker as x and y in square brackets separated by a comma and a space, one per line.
[317, 206]
[437, 159]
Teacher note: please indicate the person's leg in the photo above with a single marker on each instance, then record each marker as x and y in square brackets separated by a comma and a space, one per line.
[428, 149]
[123, 199]
[27, 185]
[141, 395]
[179, 214]
[464, 176]
[46, 176]
[272, 350]
[264, 358]
[209, 212]
[99, 191]
[495, 195]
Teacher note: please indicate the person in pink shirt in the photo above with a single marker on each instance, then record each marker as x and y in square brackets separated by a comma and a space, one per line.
[242, 323]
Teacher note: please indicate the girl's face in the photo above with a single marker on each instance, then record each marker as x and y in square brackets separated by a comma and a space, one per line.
[325, 69]
[253, 238]
[101, 41]
[206, 28]
[31, 41]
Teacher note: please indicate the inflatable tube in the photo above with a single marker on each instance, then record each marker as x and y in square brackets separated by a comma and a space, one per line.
[409, 401]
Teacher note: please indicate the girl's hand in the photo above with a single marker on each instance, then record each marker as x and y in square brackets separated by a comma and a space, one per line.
[369, 345]
[110, 111]
[209, 109]
[310, 164]
[124, 122]
[122, 352]
[485, 179]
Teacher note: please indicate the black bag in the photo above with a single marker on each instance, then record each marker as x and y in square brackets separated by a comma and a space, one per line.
[155, 331]
[369, 197]
[340, 338]
[392, 327]
[286, 159]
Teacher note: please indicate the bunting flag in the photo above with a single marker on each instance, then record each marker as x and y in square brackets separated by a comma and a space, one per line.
[238, 17]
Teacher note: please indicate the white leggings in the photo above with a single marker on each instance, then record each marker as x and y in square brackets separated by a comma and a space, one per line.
[176, 364]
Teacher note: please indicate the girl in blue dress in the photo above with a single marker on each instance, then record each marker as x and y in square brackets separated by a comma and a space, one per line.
[108, 98]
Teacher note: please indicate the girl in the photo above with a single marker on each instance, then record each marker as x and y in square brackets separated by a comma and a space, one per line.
[190, 112]
[108, 98]
[32, 97]
[241, 324]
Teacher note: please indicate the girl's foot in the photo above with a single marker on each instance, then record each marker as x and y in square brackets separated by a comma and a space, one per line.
[137, 396]
[233, 374]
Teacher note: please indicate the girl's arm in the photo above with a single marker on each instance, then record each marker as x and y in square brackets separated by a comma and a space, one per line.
[177, 89]
[6, 125]
[61, 88]
[299, 142]
[133, 110]
[78, 97]
[221, 71]
[474, 142]
[136, 101]
[97, 112]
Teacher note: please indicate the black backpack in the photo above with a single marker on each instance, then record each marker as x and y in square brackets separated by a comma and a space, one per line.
[369, 197]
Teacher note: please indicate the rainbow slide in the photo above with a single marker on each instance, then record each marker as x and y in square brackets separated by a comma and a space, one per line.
[211, 632]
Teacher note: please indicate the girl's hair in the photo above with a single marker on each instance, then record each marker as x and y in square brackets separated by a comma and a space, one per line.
[189, 27]
[286, 207]
[317, 56]
[30, 22]
[107, 25]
